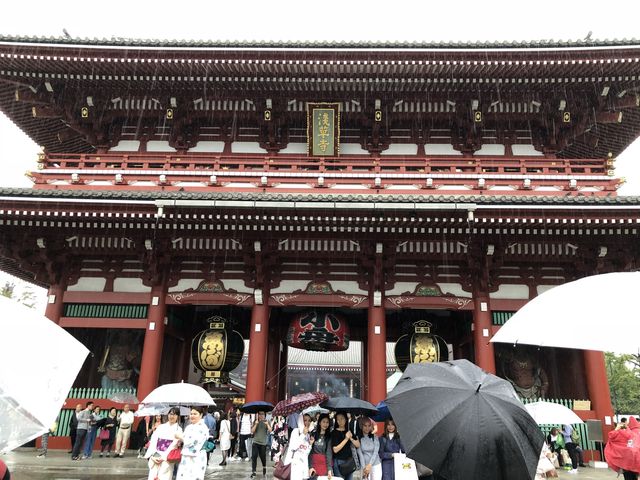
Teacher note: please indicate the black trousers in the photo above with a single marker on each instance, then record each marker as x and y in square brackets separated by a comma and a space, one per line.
[242, 448]
[629, 475]
[260, 450]
[72, 434]
[79, 443]
[573, 454]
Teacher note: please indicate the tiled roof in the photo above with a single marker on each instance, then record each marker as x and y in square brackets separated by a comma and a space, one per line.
[523, 200]
[204, 44]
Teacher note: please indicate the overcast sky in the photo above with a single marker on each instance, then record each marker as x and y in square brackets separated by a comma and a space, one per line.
[373, 20]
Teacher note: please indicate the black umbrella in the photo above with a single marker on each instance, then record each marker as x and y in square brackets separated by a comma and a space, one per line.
[351, 405]
[464, 423]
[257, 406]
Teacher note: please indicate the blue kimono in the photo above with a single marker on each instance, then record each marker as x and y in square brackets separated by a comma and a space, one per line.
[389, 446]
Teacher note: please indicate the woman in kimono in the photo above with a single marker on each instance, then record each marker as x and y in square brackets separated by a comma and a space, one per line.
[299, 449]
[193, 464]
[163, 439]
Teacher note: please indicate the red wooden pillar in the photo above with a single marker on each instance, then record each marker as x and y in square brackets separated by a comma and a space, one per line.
[55, 305]
[282, 376]
[598, 387]
[376, 353]
[485, 357]
[273, 368]
[258, 340]
[153, 341]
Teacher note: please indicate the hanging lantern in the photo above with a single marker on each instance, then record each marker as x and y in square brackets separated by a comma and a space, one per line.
[216, 351]
[421, 347]
[318, 330]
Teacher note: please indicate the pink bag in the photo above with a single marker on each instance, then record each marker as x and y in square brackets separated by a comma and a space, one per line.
[104, 434]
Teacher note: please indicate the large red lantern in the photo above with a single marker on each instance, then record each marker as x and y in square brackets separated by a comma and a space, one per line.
[318, 330]
[216, 351]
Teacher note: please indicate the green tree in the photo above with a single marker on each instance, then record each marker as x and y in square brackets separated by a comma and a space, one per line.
[624, 382]
[7, 290]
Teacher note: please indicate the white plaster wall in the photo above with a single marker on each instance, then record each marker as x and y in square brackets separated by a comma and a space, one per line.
[491, 149]
[348, 186]
[348, 287]
[525, 150]
[126, 146]
[159, 146]
[295, 148]
[352, 149]
[454, 289]
[88, 284]
[238, 184]
[130, 285]
[207, 147]
[247, 147]
[291, 185]
[186, 283]
[401, 287]
[440, 149]
[403, 187]
[401, 149]
[511, 292]
[237, 285]
[288, 286]
[543, 288]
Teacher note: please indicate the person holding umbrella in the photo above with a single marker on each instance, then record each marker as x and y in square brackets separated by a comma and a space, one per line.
[321, 458]
[299, 449]
[193, 464]
[390, 444]
[260, 429]
[342, 441]
[163, 440]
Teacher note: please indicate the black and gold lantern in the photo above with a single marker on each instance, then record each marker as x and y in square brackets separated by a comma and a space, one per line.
[216, 351]
[420, 347]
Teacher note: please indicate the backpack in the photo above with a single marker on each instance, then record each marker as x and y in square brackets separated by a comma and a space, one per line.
[575, 436]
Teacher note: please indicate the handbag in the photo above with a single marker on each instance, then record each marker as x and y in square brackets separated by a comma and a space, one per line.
[282, 471]
[174, 456]
[209, 446]
[347, 468]
[404, 468]
[104, 434]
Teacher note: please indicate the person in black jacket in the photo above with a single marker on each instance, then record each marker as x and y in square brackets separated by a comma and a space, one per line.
[233, 420]
[73, 425]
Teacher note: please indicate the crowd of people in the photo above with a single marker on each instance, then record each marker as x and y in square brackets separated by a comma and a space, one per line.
[334, 445]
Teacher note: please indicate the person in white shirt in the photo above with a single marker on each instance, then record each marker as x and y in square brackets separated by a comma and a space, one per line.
[246, 421]
[125, 422]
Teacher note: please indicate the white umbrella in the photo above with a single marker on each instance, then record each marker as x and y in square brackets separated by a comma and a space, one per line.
[158, 409]
[312, 410]
[549, 413]
[179, 394]
[39, 362]
[593, 313]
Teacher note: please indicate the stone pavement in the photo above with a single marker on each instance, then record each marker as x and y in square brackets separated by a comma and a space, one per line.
[25, 465]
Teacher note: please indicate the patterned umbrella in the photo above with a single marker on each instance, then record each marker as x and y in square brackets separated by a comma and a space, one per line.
[298, 403]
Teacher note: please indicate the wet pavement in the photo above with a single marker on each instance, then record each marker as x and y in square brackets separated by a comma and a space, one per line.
[24, 465]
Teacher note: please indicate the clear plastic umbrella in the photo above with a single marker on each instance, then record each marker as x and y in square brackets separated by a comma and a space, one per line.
[40, 362]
